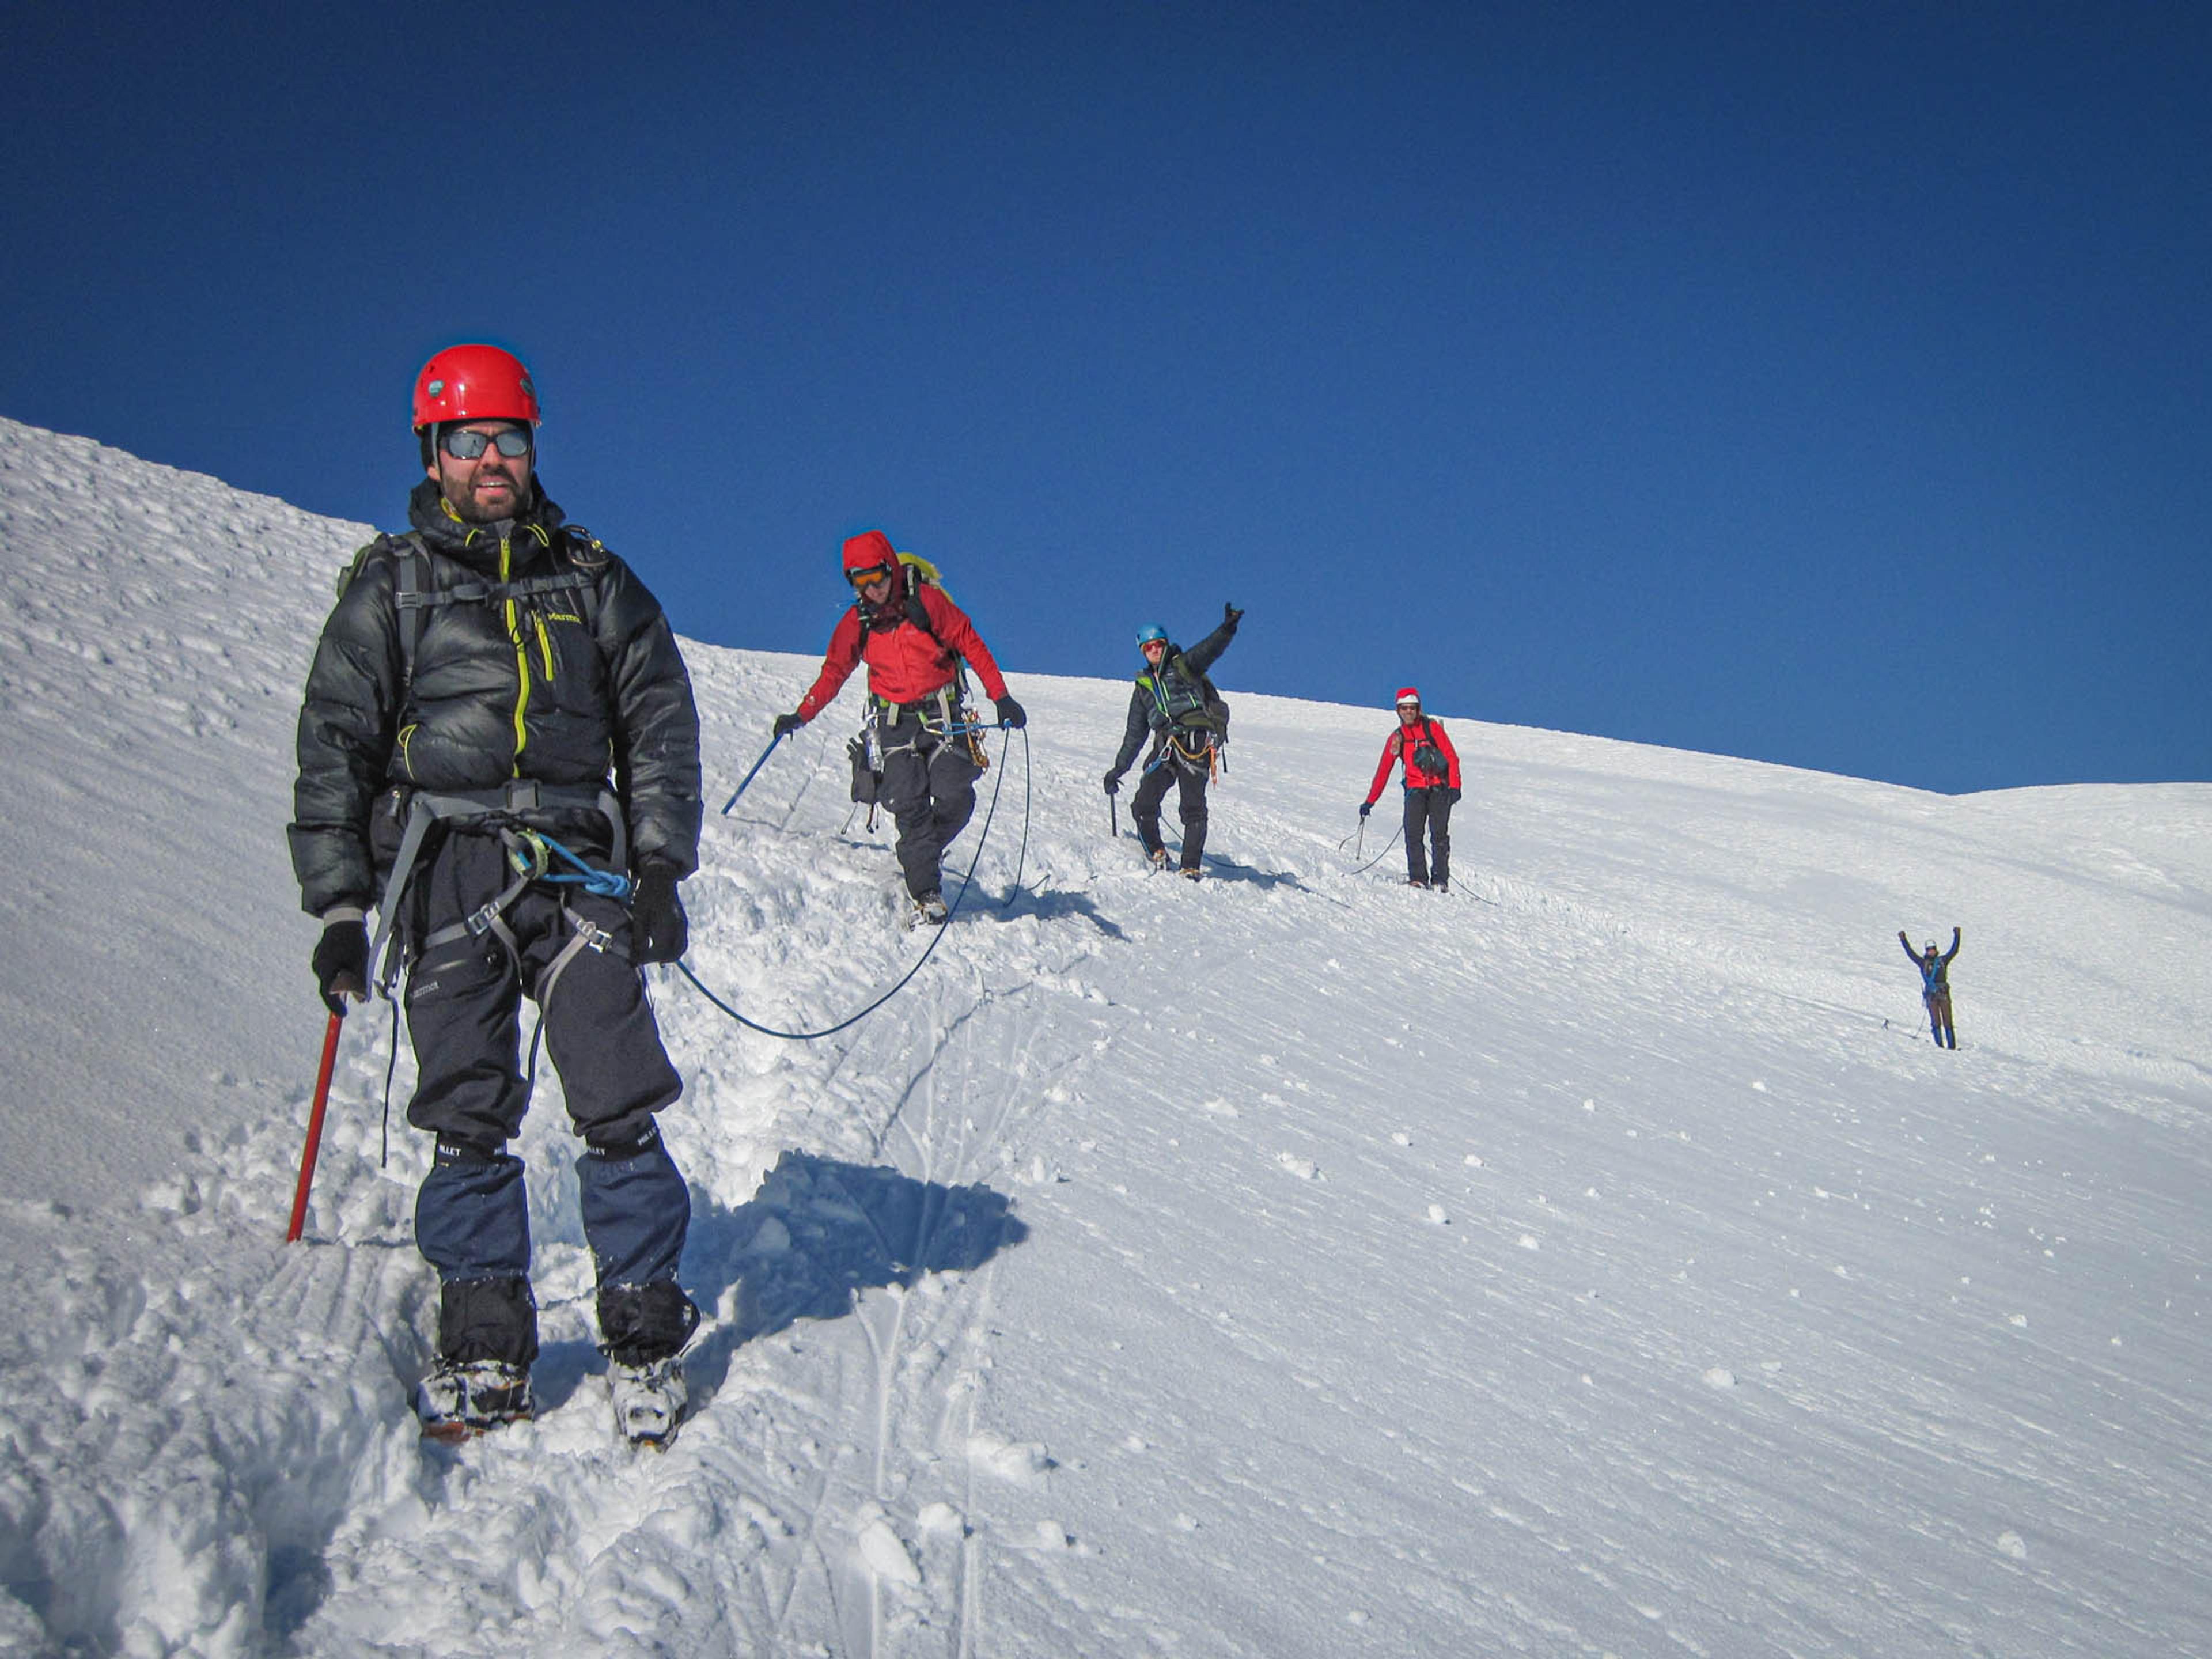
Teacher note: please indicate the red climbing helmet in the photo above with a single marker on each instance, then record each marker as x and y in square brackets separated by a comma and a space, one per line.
[474, 383]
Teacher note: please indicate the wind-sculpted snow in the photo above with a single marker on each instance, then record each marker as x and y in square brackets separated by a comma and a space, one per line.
[1594, 1259]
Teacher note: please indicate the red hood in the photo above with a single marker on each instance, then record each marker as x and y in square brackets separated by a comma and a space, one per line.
[869, 548]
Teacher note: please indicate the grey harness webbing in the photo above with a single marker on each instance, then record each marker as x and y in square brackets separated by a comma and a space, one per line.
[944, 701]
[518, 796]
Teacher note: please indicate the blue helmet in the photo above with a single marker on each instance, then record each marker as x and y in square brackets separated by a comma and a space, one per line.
[1150, 632]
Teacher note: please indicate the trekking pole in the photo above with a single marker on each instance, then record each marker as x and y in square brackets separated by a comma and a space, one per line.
[1113, 819]
[315, 1128]
[751, 775]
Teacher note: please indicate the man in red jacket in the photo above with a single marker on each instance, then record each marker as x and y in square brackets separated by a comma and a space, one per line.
[912, 639]
[1431, 789]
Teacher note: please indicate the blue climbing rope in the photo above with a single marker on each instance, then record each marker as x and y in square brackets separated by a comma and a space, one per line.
[606, 884]
[967, 885]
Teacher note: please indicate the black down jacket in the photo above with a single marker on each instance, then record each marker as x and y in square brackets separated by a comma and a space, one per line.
[566, 686]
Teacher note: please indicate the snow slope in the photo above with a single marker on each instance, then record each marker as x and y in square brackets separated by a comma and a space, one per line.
[1595, 1260]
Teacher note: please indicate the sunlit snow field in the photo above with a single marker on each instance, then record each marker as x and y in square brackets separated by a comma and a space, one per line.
[1596, 1259]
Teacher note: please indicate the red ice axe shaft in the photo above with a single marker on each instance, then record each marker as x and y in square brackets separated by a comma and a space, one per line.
[314, 1128]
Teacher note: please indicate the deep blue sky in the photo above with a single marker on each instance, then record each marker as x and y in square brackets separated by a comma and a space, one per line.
[1822, 384]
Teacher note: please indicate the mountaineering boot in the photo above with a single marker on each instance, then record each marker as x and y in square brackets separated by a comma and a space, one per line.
[1189, 875]
[649, 1400]
[1442, 884]
[1157, 858]
[459, 1399]
[929, 907]
[1415, 881]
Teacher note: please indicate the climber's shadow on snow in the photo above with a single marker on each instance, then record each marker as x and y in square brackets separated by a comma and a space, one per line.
[819, 1230]
[1221, 869]
[1046, 904]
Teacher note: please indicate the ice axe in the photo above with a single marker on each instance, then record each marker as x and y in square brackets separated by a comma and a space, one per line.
[315, 1126]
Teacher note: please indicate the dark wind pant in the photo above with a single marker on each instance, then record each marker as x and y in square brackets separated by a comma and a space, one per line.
[1151, 793]
[929, 781]
[1939, 1016]
[471, 1216]
[1429, 808]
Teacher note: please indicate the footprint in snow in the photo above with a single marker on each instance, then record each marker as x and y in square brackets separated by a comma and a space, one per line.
[1009, 1460]
[884, 1551]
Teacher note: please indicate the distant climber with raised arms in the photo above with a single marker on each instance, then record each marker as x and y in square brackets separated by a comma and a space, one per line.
[1934, 986]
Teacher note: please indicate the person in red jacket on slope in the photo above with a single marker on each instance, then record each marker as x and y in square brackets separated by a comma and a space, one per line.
[912, 639]
[1431, 789]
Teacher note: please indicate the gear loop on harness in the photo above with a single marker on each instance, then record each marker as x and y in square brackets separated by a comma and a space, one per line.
[1173, 748]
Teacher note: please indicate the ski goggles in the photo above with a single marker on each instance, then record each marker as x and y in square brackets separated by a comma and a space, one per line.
[1151, 646]
[465, 446]
[874, 573]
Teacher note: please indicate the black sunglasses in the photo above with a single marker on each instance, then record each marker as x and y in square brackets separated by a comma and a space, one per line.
[464, 445]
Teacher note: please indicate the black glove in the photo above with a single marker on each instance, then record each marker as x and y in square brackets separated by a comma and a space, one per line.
[788, 724]
[1366, 807]
[657, 931]
[1232, 614]
[1112, 781]
[340, 964]
[1454, 794]
[1011, 713]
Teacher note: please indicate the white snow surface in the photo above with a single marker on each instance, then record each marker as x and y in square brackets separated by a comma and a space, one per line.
[1595, 1260]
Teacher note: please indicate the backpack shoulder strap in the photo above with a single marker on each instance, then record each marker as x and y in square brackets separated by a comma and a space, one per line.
[411, 581]
[587, 559]
[918, 614]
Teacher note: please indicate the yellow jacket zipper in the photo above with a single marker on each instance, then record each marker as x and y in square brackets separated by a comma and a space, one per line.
[521, 656]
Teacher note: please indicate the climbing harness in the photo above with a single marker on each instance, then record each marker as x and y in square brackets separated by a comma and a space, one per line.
[497, 809]
[529, 855]
[943, 713]
[1203, 758]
